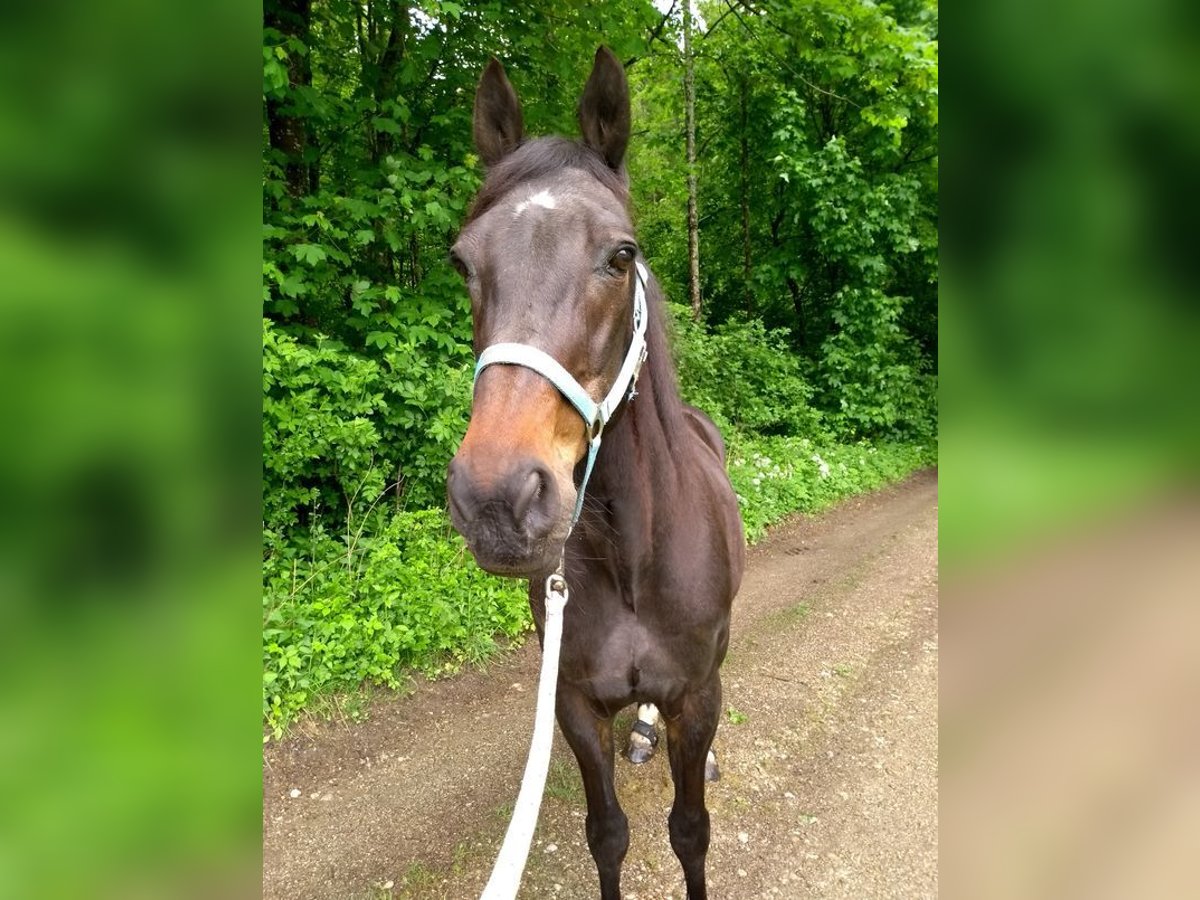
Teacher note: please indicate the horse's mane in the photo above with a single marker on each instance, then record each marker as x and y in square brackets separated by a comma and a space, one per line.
[661, 364]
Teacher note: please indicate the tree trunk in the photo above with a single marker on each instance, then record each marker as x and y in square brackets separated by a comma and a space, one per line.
[745, 167]
[689, 114]
[288, 133]
[798, 305]
[388, 63]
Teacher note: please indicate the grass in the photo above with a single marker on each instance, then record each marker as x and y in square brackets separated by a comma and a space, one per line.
[790, 615]
[504, 811]
[563, 781]
[416, 875]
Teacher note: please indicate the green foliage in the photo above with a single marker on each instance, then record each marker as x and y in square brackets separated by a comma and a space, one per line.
[817, 127]
[390, 594]
[818, 195]
[781, 454]
[776, 476]
[319, 433]
[875, 381]
[743, 375]
[337, 426]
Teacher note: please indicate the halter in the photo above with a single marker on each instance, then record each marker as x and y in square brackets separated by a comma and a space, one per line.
[595, 415]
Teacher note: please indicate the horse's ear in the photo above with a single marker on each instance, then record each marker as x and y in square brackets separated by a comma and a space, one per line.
[604, 108]
[498, 123]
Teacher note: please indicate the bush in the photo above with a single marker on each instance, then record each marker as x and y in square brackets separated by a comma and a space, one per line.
[776, 476]
[743, 376]
[338, 426]
[321, 443]
[874, 379]
[399, 592]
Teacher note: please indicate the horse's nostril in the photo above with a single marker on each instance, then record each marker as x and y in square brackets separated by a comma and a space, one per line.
[529, 491]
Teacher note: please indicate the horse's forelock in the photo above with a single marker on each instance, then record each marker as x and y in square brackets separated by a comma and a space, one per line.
[540, 157]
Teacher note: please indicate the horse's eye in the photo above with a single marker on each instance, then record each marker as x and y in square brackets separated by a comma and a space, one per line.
[458, 263]
[622, 258]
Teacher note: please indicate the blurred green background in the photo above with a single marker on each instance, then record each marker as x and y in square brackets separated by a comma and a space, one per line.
[1069, 320]
[129, 462]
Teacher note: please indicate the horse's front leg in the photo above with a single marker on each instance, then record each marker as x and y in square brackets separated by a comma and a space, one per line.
[591, 739]
[690, 731]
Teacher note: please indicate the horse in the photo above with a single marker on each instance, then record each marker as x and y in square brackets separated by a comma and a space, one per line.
[551, 263]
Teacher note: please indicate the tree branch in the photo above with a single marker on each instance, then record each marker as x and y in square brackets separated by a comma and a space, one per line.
[780, 61]
[655, 35]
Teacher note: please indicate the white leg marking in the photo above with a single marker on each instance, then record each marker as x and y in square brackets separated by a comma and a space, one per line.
[648, 713]
[640, 746]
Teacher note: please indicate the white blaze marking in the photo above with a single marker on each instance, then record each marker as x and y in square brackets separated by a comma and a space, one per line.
[541, 198]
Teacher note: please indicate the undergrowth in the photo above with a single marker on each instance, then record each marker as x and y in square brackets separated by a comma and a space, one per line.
[776, 476]
[366, 607]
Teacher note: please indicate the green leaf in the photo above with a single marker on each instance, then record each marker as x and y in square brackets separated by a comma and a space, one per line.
[386, 125]
[309, 253]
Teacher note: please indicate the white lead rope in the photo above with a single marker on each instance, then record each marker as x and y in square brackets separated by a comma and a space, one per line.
[510, 864]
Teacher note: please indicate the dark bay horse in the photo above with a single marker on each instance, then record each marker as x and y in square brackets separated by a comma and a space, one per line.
[551, 261]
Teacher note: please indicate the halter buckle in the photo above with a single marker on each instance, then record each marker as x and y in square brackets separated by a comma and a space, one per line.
[637, 371]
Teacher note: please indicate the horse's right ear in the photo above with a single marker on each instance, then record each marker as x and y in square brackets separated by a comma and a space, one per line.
[498, 122]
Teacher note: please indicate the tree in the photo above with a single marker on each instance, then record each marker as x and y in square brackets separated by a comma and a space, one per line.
[689, 113]
[818, 149]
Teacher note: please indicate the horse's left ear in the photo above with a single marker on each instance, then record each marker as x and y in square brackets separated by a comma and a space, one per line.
[604, 108]
[498, 123]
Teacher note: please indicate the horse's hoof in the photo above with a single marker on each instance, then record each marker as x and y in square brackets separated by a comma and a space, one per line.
[712, 771]
[639, 755]
[642, 741]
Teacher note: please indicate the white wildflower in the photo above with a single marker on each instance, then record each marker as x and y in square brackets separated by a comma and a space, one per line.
[821, 464]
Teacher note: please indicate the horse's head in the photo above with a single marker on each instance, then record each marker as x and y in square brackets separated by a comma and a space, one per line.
[548, 256]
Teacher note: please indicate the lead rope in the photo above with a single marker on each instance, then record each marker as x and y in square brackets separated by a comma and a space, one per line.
[510, 864]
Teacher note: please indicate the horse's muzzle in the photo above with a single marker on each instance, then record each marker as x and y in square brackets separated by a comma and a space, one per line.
[510, 522]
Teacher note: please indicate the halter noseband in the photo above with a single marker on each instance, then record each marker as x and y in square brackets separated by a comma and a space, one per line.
[595, 415]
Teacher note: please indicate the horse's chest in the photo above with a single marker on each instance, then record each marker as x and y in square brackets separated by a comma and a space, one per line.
[624, 658]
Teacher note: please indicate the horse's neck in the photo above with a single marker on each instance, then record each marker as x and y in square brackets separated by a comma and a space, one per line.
[637, 471]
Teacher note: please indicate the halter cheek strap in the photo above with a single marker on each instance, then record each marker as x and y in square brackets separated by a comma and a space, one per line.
[595, 415]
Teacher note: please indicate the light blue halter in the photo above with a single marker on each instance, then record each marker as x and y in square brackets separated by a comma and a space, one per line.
[595, 415]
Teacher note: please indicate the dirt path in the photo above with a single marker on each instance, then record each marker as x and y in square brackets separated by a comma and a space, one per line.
[828, 753]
